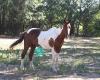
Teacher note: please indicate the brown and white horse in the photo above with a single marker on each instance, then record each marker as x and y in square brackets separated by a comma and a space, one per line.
[52, 39]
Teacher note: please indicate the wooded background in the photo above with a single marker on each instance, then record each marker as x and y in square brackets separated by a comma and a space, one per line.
[19, 15]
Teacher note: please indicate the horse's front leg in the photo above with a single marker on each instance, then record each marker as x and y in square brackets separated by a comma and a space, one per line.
[55, 57]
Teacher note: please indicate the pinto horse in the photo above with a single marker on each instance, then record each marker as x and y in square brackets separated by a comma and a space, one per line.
[51, 39]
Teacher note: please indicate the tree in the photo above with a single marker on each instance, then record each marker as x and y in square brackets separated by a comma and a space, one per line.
[19, 15]
[88, 10]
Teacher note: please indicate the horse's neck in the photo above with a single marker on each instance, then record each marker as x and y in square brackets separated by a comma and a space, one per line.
[62, 34]
[60, 38]
[59, 41]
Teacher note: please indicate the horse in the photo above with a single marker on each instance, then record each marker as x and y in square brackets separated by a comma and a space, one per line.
[52, 39]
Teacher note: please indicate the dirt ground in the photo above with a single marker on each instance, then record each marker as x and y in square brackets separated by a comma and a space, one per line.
[11, 72]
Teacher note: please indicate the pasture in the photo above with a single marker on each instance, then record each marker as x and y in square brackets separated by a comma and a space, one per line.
[80, 58]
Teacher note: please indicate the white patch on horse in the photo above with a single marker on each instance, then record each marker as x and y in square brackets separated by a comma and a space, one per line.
[31, 30]
[69, 26]
[43, 38]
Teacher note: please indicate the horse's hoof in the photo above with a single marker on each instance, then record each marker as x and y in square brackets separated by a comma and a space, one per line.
[58, 69]
[22, 68]
[59, 73]
[55, 71]
[32, 67]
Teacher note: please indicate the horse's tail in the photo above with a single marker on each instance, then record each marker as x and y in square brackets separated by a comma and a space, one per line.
[19, 40]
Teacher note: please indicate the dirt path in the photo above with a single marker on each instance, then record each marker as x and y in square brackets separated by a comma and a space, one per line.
[5, 43]
[83, 45]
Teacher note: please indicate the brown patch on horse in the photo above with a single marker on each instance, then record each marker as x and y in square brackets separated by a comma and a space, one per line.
[60, 39]
[58, 43]
[35, 32]
[29, 38]
[32, 37]
[51, 42]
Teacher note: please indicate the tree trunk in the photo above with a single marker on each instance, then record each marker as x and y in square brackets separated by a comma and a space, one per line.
[72, 29]
[85, 30]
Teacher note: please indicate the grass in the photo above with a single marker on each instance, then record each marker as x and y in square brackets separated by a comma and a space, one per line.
[78, 60]
[77, 64]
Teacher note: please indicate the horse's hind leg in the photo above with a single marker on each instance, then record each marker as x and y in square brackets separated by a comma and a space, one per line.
[22, 56]
[31, 56]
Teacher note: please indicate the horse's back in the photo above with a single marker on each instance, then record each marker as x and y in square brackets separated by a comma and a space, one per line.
[51, 33]
[44, 36]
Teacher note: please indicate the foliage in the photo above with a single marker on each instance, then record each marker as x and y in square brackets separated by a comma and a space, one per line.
[19, 15]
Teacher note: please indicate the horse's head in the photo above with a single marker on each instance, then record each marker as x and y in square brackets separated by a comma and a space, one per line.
[67, 28]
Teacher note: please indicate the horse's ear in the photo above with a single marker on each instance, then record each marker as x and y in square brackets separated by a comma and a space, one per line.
[67, 21]
[64, 20]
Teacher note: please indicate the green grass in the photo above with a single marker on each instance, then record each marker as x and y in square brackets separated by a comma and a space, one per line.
[78, 63]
